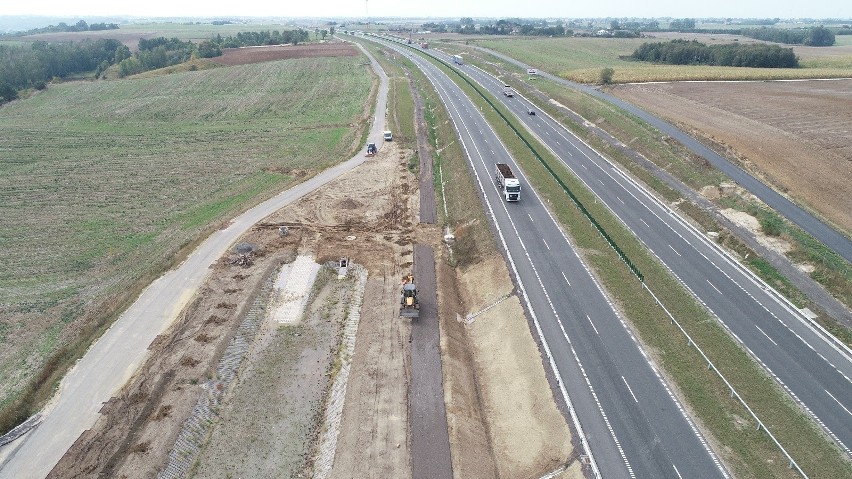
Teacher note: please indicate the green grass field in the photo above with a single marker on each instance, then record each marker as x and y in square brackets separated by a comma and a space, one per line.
[102, 183]
[581, 60]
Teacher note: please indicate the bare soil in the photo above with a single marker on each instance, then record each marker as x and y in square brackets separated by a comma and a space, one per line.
[503, 421]
[246, 55]
[795, 134]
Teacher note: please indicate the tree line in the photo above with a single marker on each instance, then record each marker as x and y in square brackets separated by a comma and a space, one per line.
[501, 27]
[62, 27]
[34, 65]
[683, 52]
[816, 37]
[267, 37]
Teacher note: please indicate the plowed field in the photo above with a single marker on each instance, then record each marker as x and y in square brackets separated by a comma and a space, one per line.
[244, 56]
[794, 134]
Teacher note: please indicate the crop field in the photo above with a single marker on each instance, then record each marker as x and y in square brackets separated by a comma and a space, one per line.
[581, 60]
[130, 34]
[102, 183]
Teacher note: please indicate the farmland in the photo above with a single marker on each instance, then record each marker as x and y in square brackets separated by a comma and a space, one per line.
[103, 183]
[581, 59]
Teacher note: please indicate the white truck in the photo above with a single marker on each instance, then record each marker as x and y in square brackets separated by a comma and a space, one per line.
[458, 60]
[507, 182]
[507, 90]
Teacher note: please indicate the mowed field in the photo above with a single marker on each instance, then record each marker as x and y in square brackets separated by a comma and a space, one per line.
[102, 183]
[795, 134]
[581, 59]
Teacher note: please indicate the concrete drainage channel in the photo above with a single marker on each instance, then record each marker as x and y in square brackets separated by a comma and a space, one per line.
[334, 407]
[282, 300]
[197, 427]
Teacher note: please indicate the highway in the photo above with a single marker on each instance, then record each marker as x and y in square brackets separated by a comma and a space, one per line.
[625, 414]
[829, 236]
[810, 364]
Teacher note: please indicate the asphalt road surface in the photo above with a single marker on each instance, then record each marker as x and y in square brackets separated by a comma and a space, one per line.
[813, 366]
[628, 420]
[830, 237]
[113, 359]
[427, 413]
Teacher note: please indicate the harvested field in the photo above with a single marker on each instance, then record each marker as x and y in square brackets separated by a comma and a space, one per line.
[104, 182]
[246, 55]
[795, 135]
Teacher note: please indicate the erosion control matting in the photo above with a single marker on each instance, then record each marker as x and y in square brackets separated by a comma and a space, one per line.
[430, 442]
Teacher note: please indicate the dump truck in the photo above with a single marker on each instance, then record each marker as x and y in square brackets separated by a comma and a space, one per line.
[506, 181]
[507, 90]
[409, 306]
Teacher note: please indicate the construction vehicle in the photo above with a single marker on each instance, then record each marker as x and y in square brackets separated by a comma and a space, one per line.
[371, 150]
[424, 45]
[507, 182]
[409, 306]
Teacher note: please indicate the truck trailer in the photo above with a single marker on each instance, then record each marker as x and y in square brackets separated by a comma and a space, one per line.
[458, 60]
[506, 181]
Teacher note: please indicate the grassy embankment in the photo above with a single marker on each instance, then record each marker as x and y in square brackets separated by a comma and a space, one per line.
[831, 271]
[107, 184]
[747, 451]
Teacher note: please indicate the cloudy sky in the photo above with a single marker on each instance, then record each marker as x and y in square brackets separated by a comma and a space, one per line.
[441, 8]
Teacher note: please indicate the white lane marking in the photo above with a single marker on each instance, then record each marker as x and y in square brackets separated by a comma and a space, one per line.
[643, 221]
[619, 199]
[601, 181]
[677, 472]
[545, 243]
[714, 287]
[629, 389]
[593, 326]
[584, 166]
[672, 247]
[764, 333]
[838, 402]
[566, 278]
[531, 217]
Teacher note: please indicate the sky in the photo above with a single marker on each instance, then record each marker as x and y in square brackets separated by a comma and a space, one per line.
[439, 8]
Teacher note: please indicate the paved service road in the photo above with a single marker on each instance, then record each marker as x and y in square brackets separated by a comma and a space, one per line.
[114, 358]
[622, 410]
[427, 412]
[813, 366]
[830, 237]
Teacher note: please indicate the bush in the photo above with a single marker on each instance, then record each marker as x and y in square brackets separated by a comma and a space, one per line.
[606, 76]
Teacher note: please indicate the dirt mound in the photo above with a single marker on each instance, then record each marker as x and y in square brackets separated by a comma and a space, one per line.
[349, 204]
[246, 55]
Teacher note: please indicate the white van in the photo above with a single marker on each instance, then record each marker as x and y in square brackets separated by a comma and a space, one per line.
[388, 136]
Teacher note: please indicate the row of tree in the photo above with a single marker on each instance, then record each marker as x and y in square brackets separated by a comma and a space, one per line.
[501, 27]
[62, 27]
[816, 37]
[32, 66]
[274, 37]
[683, 52]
